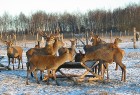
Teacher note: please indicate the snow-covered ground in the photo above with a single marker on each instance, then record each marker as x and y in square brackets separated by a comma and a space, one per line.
[13, 82]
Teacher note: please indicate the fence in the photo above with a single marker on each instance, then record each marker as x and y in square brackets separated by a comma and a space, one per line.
[83, 37]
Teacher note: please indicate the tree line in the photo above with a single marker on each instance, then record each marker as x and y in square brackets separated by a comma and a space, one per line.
[120, 19]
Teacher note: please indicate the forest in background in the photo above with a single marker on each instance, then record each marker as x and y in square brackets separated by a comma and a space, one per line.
[101, 21]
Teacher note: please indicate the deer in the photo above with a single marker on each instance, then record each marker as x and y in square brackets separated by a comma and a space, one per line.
[14, 52]
[50, 49]
[108, 55]
[49, 62]
[98, 43]
[71, 49]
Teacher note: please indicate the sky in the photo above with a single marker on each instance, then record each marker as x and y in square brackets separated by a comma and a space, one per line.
[14, 7]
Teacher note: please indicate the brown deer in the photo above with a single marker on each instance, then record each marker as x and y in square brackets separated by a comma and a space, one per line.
[50, 49]
[107, 55]
[98, 43]
[14, 52]
[95, 42]
[49, 62]
[71, 49]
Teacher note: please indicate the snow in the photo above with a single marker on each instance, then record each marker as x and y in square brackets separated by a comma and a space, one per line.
[13, 82]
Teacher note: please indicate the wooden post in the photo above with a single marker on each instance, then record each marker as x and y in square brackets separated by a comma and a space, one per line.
[37, 37]
[111, 36]
[10, 38]
[120, 34]
[15, 38]
[134, 43]
[72, 34]
[106, 34]
[86, 38]
[24, 39]
[1, 35]
[62, 37]
[7, 37]
[125, 32]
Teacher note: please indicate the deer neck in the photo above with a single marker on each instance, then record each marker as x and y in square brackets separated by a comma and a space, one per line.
[73, 47]
[94, 42]
[8, 47]
[116, 43]
[55, 46]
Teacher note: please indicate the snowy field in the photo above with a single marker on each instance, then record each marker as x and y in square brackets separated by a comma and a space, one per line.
[12, 82]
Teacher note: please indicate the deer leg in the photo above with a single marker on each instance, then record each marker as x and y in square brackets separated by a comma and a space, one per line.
[27, 78]
[29, 71]
[13, 63]
[18, 62]
[21, 61]
[107, 72]
[54, 75]
[102, 70]
[123, 68]
[116, 67]
[123, 74]
[8, 61]
[28, 66]
[106, 67]
[35, 74]
[49, 73]
[122, 78]
[41, 75]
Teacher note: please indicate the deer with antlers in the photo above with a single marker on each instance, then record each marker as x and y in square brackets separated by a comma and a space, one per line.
[97, 44]
[108, 55]
[51, 48]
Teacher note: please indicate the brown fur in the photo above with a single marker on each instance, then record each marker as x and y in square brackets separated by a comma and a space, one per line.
[98, 43]
[71, 49]
[47, 50]
[107, 55]
[49, 62]
[14, 52]
[50, 49]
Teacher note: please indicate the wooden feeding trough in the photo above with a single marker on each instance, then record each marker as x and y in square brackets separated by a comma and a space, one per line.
[79, 65]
